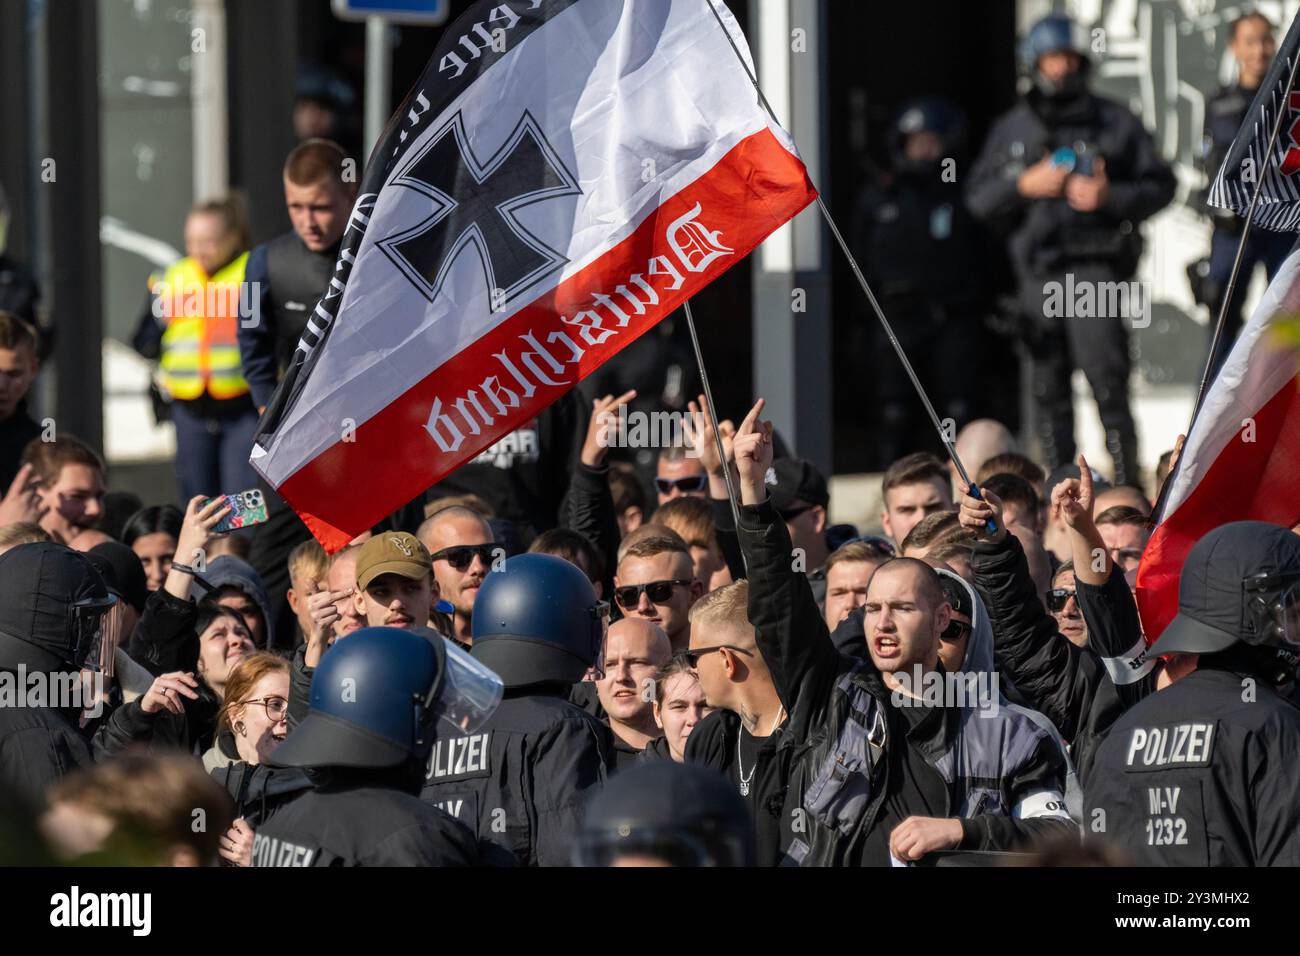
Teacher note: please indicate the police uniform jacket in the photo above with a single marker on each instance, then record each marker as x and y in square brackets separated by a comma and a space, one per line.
[520, 782]
[362, 826]
[1202, 773]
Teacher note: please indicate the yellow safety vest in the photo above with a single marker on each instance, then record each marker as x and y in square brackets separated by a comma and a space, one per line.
[200, 349]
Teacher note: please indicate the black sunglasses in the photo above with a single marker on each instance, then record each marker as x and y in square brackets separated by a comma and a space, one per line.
[660, 592]
[694, 483]
[693, 657]
[1057, 598]
[462, 555]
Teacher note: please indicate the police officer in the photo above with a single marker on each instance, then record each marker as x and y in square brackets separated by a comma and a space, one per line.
[924, 255]
[1202, 773]
[1250, 38]
[1069, 176]
[286, 277]
[374, 701]
[520, 781]
[56, 618]
[667, 814]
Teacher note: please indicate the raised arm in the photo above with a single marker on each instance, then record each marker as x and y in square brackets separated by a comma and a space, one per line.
[790, 630]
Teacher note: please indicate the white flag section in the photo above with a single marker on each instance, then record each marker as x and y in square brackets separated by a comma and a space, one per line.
[564, 176]
[1241, 459]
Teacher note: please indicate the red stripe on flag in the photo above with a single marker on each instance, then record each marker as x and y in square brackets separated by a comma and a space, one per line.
[756, 187]
[1248, 481]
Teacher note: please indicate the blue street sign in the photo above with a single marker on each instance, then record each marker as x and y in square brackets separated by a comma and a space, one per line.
[414, 12]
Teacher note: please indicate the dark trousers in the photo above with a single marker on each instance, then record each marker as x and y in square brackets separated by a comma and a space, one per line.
[1262, 246]
[1096, 343]
[212, 449]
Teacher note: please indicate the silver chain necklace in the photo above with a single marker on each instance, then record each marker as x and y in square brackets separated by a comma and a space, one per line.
[747, 779]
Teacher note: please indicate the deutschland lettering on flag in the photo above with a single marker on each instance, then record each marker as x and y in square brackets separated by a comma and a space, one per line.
[565, 174]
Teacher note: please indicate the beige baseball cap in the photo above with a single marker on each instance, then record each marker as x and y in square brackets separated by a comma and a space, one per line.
[393, 552]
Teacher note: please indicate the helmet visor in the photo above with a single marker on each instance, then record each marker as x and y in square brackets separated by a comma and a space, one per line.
[1276, 608]
[467, 692]
[95, 627]
[596, 670]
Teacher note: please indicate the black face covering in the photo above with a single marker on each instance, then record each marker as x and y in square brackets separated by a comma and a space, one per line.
[1065, 101]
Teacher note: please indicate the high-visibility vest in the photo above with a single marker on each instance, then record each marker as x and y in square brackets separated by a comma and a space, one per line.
[200, 348]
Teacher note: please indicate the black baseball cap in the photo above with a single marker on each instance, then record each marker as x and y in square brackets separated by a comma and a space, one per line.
[792, 480]
[1211, 593]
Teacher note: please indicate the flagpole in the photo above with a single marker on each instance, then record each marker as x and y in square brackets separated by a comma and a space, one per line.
[948, 444]
[713, 414]
[1241, 245]
[1163, 492]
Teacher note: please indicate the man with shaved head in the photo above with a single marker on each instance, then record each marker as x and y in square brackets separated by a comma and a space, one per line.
[635, 649]
[884, 759]
[977, 442]
[462, 548]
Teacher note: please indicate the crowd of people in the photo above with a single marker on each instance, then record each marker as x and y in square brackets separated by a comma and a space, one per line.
[546, 659]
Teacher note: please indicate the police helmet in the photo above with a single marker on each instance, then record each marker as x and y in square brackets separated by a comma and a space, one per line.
[1239, 584]
[667, 813]
[55, 611]
[377, 694]
[928, 114]
[1054, 33]
[537, 620]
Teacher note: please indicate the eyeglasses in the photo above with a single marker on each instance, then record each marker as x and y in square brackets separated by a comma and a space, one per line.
[275, 707]
[693, 484]
[693, 657]
[1057, 598]
[462, 555]
[660, 592]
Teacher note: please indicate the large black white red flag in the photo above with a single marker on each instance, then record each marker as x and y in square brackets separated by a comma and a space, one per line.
[563, 176]
[1248, 162]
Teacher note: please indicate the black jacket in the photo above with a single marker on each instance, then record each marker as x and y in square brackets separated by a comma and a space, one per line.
[15, 432]
[258, 790]
[1202, 773]
[589, 510]
[1005, 775]
[361, 826]
[1046, 235]
[1068, 684]
[164, 640]
[288, 279]
[39, 745]
[521, 782]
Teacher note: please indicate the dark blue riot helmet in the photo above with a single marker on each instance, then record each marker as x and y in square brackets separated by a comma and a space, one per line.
[1055, 33]
[928, 114]
[667, 813]
[537, 621]
[377, 695]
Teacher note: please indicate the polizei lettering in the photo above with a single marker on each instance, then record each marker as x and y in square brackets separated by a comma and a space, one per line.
[268, 851]
[1187, 745]
[459, 757]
